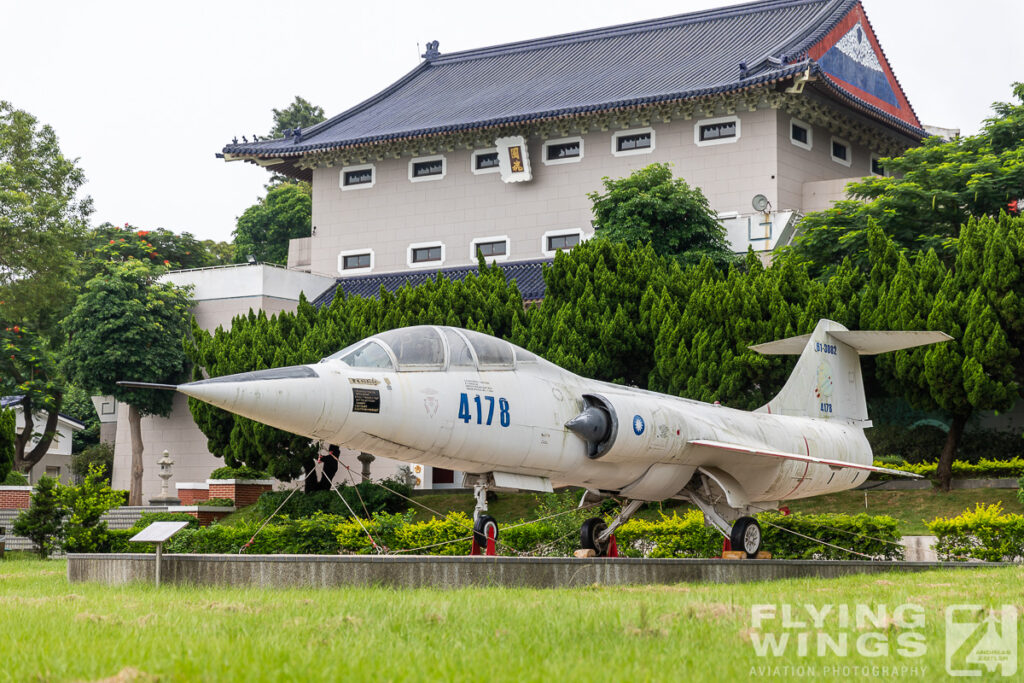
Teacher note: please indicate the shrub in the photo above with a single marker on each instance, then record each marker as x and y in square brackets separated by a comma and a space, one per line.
[218, 502]
[673, 536]
[83, 531]
[147, 518]
[41, 523]
[375, 499]
[961, 470]
[873, 535]
[15, 479]
[101, 455]
[984, 533]
[243, 472]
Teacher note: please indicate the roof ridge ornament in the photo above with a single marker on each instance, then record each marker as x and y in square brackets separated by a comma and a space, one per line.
[432, 51]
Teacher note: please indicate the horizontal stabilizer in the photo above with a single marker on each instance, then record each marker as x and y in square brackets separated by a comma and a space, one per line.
[746, 450]
[864, 342]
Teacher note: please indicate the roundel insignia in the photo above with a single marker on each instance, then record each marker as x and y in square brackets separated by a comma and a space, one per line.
[638, 425]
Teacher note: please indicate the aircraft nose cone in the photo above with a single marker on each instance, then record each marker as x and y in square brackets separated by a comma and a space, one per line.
[294, 399]
[591, 425]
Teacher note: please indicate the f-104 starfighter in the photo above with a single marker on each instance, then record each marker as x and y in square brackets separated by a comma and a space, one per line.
[471, 402]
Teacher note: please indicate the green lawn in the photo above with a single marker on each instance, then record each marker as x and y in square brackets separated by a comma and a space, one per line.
[54, 631]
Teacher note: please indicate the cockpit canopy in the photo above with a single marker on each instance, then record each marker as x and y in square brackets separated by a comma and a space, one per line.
[429, 347]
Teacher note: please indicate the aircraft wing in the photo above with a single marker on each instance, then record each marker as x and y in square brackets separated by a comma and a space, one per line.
[746, 450]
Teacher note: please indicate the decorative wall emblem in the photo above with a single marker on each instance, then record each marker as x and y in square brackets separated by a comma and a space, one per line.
[513, 159]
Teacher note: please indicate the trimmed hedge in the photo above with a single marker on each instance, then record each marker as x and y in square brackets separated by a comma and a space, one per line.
[995, 469]
[671, 536]
[217, 502]
[687, 536]
[374, 497]
[984, 533]
[243, 472]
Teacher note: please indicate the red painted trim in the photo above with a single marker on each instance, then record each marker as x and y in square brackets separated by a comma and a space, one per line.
[904, 112]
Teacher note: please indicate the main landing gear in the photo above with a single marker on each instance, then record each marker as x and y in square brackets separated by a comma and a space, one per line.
[597, 536]
[743, 533]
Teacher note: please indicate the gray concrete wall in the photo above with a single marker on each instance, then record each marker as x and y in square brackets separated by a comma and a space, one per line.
[396, 212]
[284, 571]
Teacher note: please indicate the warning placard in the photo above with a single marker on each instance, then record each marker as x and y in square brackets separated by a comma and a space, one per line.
[365, 400]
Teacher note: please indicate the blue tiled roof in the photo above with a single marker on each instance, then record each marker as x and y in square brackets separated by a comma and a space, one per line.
[8, 401]
[674, 58]
[528, 275]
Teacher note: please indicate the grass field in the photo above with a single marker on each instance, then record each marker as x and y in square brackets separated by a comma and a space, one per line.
[54, 631]
[910, 507]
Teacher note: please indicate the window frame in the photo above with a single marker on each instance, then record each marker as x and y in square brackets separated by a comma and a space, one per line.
[559, 233]
[848, 161]
[424, 245]
[616, 152]
[561, 141]
[494, 238]
[360, 186]
[355, 252]
[427, 178]
[809, 145]
[711, 122]
[482, 171]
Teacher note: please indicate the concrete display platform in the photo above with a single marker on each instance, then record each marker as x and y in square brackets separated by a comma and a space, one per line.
[290, 571]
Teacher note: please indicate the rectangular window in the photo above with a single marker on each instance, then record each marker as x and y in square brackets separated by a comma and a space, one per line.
[426, 254]
[564, 150]
[491, 248]
[360, 177]
[556, 242]
[356, 261]
[799, 134]
[876, 166]
[423, 169]
[630, 142]
[718, 131]
[841, 153]
[485, 161]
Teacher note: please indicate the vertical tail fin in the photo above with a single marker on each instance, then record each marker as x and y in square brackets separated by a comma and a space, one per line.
[827, 381]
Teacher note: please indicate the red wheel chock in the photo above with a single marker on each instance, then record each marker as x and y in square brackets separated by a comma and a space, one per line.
[491, 550]
[613, 547]
[726, 546]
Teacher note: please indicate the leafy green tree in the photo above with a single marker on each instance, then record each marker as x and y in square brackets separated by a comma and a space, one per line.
[41, 221]
[159, 246]
[128, 326]
[299, 114]
[929, 192]
[83, 531]
[27, 369]
[977, 302]
[651, 206]
[41, 523]
[7, 427]
[265, 228]
[100, 456]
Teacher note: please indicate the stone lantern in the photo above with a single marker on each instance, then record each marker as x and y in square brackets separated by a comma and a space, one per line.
[165, 473]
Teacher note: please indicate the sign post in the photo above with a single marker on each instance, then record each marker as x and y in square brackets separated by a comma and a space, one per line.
[158, 533]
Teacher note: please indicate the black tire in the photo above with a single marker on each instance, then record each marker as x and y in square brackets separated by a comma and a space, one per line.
[746, 536]
[480, 530]
[589, 532]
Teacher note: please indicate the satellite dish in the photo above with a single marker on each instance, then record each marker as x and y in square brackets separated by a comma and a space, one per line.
[760, 202]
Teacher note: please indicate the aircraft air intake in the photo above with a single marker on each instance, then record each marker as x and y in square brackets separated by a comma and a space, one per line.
[593, 426]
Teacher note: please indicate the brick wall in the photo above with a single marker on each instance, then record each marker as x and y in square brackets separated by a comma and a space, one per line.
[193, 496]
[243, 491]
[15, 497]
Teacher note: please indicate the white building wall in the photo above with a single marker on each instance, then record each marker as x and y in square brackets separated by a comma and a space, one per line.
[461, 206]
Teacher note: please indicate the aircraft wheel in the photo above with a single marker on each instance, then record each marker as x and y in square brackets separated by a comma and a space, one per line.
[746, 536]
[480, 528]
[591, 529]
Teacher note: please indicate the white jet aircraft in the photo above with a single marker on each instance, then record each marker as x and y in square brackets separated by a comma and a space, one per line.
[467, 401]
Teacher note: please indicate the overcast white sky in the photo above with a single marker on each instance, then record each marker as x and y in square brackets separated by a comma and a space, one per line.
[145, 93]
